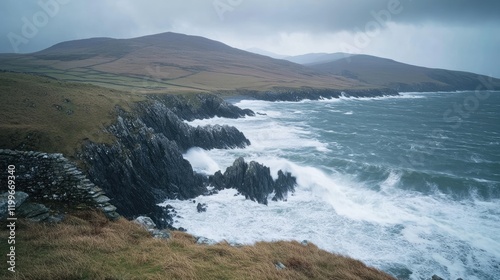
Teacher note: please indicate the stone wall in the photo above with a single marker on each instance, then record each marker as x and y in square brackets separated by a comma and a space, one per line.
[53, 180]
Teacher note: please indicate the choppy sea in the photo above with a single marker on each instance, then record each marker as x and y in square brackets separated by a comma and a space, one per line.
[408, 184]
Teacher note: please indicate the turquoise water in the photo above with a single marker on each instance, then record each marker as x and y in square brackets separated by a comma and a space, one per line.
[408, 184]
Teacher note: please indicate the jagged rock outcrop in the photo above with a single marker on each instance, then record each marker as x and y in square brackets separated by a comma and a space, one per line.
[51, 179]
[203, 106]
[254, 181]
[157, 116]
[201, 207]
[144, 166]
[141, 169]
[285, 183]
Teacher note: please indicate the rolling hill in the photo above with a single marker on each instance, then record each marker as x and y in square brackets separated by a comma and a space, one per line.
[316, 58]
[172, 62]
[399, 76]
[169, 62]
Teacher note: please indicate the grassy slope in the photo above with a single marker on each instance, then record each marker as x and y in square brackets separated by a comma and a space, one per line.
[87, 246]
[390, 73]
[43, 114]
[169, 62]
[39, 113]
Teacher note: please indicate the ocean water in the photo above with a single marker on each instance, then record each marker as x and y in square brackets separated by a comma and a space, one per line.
[408, 184]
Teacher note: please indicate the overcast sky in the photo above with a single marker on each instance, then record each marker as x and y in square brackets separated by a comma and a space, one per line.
[451, 34]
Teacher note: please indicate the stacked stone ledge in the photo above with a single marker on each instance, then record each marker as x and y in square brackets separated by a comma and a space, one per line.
[53, 178]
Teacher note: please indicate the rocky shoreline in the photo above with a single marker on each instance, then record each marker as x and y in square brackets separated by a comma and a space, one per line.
[145, 164]
[292, 94]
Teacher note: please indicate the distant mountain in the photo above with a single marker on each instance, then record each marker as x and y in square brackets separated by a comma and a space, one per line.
[172, 62]
[316, 58]
[266, 53]
[403, 77]
[169, 62]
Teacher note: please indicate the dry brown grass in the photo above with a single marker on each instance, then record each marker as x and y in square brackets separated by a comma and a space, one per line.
[48, 115]
[87, 246]
[170, 63]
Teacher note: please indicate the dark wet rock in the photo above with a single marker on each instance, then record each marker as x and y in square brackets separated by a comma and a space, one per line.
[218, 181]
[162, 216]
[145, 166]
[142, 168]
[203, 106]
[293, 94]
[201, 207]
[257, 182]
[254, 181]
[282, 185]
[162, 120]
[435, 277]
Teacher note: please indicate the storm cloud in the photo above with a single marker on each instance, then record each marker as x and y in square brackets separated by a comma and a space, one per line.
[454, 34]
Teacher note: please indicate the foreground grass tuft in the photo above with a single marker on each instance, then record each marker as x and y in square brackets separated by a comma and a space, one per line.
[88, 246]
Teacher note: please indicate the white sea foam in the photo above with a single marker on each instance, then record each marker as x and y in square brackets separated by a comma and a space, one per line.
[343, 216]
[201, 162]
[390, 227]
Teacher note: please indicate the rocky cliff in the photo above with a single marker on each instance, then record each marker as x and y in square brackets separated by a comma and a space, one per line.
[144, 166]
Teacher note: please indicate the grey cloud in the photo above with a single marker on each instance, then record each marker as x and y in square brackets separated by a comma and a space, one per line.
[128, 16]
[249, 21]
[335, 16]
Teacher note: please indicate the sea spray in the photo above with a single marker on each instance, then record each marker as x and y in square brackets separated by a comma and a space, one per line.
[354, 196]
